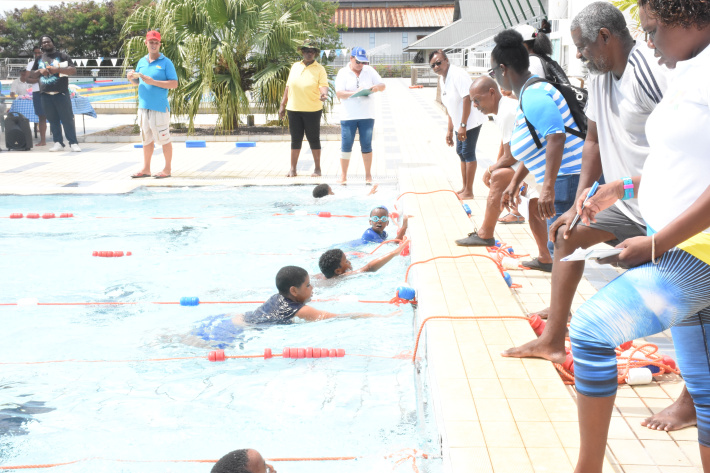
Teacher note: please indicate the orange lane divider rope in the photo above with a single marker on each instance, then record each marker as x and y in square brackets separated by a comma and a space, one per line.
[387, 241]
[220, 355]
[400, 457]
[394, 300]
[454, 318]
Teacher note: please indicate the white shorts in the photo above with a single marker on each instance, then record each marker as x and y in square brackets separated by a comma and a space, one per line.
[155, 126]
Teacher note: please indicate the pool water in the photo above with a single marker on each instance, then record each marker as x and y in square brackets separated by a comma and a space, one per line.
[230, 250]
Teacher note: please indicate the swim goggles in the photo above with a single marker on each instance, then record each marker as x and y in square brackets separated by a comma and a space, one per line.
[383, 219]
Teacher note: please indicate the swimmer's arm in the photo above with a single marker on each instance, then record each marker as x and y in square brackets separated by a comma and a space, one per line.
[374, 265]
[311, 314]
[403, 230]
[373, 190]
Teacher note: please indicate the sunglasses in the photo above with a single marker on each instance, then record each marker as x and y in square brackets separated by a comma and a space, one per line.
[434, 64]
[383, 219]
[492, 71]
[309, 50]
[363, 62]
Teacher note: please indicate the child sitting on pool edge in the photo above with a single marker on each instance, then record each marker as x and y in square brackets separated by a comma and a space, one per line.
[294, 286]
[322, 190]
[334, 262]
[379, 219]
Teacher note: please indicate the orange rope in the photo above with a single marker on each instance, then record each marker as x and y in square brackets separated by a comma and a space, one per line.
[404, 455]
[178, 303]
[387, 241]
[406, 275]
[430, 192]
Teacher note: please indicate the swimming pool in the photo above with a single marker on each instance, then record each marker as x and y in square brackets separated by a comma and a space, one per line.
[193, 409]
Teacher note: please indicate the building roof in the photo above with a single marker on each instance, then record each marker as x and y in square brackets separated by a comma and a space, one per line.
[479, 20]
[394, 17]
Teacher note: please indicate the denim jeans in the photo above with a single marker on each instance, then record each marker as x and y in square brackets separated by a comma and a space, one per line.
[347, 134]
[467, 149]
[58, 110]
[565, 192]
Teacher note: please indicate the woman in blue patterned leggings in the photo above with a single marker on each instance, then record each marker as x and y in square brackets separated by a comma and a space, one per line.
[669, 285]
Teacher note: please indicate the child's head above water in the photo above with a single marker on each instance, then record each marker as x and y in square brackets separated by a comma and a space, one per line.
[334, 263]
[379, 218]
[321, 190]
[293, 282]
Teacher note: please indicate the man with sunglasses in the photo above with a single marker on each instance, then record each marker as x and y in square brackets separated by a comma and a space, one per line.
[357, 113]
[454, 84]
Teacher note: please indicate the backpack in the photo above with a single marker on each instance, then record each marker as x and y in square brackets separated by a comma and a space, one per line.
[553, 71]
[576, 99]
[18, 135]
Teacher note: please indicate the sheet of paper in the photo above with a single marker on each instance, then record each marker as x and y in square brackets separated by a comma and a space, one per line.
[361, 93]
[581, 254]
[524, 207]
[63, 64]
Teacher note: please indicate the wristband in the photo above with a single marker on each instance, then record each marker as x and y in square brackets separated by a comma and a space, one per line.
[628, 189]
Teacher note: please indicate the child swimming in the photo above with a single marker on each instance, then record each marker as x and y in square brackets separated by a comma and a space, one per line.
[322, 190]
[379, 219]
[295, 290]
[334, 262]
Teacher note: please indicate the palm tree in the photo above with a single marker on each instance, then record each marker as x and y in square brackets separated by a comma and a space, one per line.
[227, 52]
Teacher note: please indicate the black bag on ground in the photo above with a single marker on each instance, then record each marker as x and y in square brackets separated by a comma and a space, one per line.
[576, 99]
[18, 134]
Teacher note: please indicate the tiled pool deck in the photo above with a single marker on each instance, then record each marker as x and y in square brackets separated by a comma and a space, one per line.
[495, 414]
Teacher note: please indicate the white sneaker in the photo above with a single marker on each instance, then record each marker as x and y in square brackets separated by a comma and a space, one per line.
[75, 147]
[57, 147]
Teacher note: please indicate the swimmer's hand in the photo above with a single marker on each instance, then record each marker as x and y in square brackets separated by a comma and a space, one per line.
[373, 190]
[395, 313]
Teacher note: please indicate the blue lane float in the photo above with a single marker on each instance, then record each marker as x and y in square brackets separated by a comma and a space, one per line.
[189, 301]
[246, 144]
[137, 146]
[196, 144]
[467, 209]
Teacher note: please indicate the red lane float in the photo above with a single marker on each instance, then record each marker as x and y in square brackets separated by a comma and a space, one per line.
[110, 254]
[32, 215]
[48, 215]
[16, 215]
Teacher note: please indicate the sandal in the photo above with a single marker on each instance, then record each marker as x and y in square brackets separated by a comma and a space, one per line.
[511, 218]
[537, 265]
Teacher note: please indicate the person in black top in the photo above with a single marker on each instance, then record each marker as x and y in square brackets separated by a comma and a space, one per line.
[53, 69]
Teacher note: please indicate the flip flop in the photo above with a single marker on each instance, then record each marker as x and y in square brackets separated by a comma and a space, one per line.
[139, 175]
[161, 175]
[511, 218]
[537, 265]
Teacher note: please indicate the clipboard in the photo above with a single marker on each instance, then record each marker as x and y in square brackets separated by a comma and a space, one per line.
[361, 93]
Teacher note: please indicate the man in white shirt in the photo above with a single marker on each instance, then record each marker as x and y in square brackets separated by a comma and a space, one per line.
[626, 86]
[487, 98]
[454, 83]
[358, 113]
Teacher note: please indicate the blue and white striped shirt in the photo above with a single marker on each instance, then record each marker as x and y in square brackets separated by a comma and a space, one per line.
[548, 112]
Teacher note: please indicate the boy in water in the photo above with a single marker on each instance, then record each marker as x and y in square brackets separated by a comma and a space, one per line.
[294, 286]
[334, 262]
[322, 190]
[379, 219]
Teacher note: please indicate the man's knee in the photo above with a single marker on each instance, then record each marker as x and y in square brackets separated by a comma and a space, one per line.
[502, 177]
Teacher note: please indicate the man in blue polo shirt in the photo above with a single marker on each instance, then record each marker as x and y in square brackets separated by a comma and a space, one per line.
[155, 75]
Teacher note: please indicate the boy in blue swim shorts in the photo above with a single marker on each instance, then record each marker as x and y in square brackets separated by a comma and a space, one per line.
[294, 286]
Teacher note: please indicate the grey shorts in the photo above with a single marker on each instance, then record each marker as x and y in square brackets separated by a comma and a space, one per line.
[614, 221]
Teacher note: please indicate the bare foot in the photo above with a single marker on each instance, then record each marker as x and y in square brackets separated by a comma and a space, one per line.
[679, 415]
[468, 196]
[537, 348]
[343, 180]
[316, 173]
[542, 313]
[368, 179]
[41, 143]
[292, 173]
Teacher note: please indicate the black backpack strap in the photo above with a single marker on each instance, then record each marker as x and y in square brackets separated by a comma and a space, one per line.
[533, 133]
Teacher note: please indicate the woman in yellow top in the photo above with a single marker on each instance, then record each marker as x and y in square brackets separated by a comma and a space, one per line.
[306, 90]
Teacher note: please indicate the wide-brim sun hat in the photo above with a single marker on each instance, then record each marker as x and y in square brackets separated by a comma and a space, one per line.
[308, 44]
[529, 33]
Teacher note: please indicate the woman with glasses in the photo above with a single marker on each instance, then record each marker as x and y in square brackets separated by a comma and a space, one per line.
[454, 83]
[306, 90]
[669, 283]
[358, 112]
[557, 160]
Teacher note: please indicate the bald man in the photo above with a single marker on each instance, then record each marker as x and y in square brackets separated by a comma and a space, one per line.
[246, 460]
[486, 97]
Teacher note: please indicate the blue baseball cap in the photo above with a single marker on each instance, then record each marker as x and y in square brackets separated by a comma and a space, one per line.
[359, 54]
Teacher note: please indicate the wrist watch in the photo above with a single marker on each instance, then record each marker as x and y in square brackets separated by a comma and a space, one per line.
[463, 125]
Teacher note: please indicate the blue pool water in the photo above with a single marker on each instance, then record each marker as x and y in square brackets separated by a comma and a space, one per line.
[193, 409]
